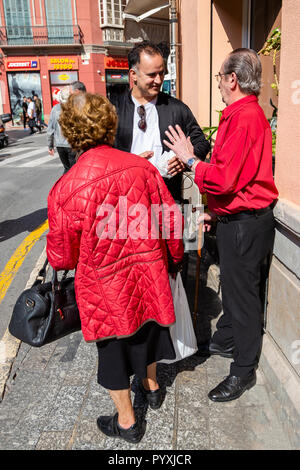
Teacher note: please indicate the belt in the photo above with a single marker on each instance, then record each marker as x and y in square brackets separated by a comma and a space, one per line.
[244, 214]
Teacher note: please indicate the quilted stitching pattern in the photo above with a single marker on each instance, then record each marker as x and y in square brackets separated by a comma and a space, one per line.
[121, 282]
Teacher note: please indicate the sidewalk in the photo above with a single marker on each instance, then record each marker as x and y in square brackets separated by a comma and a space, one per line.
[52, 399]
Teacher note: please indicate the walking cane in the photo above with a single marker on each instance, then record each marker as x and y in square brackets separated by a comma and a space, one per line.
[200, 234]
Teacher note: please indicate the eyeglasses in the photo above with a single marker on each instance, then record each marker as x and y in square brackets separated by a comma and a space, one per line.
[219, 76]
[142, 122]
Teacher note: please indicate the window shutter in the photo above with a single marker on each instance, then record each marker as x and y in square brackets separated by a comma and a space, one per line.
[18, 20]
[59, 20]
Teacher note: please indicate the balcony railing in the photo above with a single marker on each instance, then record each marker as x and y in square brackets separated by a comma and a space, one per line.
[40, 35]
[113, 34]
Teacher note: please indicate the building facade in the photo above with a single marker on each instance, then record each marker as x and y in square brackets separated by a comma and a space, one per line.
[47, 44]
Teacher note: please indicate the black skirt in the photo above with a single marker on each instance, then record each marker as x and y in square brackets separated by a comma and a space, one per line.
[121, 358]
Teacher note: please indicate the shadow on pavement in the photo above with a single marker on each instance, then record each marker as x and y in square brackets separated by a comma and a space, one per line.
[26, 223]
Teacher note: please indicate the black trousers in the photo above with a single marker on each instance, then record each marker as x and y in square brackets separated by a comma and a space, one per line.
[243, 246]
[24, 119]
[67, 157]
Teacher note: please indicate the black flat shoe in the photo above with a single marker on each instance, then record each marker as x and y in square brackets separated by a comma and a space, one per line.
[110, 427]
[231, 388]
[215, 349]
[153, 397]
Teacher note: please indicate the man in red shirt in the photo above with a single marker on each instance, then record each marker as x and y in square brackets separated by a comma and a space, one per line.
[241, 193]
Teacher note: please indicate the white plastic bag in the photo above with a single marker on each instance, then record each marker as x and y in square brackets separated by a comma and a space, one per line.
[160, 161]
[182, 332]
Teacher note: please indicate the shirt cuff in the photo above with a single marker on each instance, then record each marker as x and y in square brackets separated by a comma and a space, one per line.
[199, 176]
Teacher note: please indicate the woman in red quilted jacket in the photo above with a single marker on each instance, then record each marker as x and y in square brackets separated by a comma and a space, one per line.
[112, 219]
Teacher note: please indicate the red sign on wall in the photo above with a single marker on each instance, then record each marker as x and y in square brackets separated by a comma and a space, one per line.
[115, 63]
[22, 64]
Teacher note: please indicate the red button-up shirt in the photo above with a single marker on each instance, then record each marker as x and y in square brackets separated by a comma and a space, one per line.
[239, 176]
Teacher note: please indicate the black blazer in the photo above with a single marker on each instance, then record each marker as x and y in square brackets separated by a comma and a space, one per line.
[171, 111]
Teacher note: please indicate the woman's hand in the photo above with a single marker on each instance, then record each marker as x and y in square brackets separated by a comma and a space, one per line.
[180, 145]
[174, 269]
[147, 154]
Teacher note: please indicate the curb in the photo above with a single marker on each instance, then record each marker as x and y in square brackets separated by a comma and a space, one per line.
[9, 345]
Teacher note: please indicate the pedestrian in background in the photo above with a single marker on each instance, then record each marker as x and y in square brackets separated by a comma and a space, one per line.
[39, 111]
[54, 135]
[31, 111]
[121, 280]
[24, 108]
[77, 87]
[241, 194]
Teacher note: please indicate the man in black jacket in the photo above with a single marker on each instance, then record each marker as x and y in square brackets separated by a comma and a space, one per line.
[145, 114]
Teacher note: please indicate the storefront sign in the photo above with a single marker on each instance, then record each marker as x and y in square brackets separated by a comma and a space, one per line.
[115, 63]
[62, 63]
[24, 64]
[117, 78]
[63, 78]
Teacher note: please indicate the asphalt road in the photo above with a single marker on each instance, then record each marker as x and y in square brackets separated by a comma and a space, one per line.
[27, 174]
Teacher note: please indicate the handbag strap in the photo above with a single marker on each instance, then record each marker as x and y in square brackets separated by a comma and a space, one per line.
[42, 273]
[55, 281]
[41, 276]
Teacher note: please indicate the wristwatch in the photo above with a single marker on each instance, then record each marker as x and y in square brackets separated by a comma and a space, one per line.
[190, 162]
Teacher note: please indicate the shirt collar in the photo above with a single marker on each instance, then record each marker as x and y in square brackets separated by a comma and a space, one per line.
[238, 104]
[146, 105]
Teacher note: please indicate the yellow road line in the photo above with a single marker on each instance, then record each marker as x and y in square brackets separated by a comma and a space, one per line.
[17, 259]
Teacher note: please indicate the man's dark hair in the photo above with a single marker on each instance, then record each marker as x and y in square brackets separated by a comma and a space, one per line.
[78, 86]
[134, 56]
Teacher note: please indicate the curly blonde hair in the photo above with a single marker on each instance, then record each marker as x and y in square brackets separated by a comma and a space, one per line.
[88, 120]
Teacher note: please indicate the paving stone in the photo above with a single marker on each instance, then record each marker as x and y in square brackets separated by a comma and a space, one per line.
[53, 440]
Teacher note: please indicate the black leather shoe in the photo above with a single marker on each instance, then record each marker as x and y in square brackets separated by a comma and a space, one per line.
[215, 349]
[110, 427]
[153, 397]
[231, 388]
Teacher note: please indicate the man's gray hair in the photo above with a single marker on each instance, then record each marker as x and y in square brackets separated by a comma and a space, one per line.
[246, 64]
[78, 86]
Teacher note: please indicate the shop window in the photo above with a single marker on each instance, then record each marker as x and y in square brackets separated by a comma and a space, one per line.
[18, 21]
[59, 21]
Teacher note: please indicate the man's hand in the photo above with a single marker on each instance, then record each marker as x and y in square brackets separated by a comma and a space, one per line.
[207, 220]
[175, 166]
[147, 154]
[180, 145]
[51, 152]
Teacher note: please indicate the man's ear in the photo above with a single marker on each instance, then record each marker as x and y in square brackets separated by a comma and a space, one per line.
[233, 80]
[132, 75]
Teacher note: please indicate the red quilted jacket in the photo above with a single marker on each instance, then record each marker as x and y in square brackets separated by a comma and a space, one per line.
[104, 220]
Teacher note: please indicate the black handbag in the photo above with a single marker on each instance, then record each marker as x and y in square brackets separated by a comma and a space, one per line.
[47, 311]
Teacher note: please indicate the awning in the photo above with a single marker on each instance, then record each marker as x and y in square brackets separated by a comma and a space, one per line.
[139, 10]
